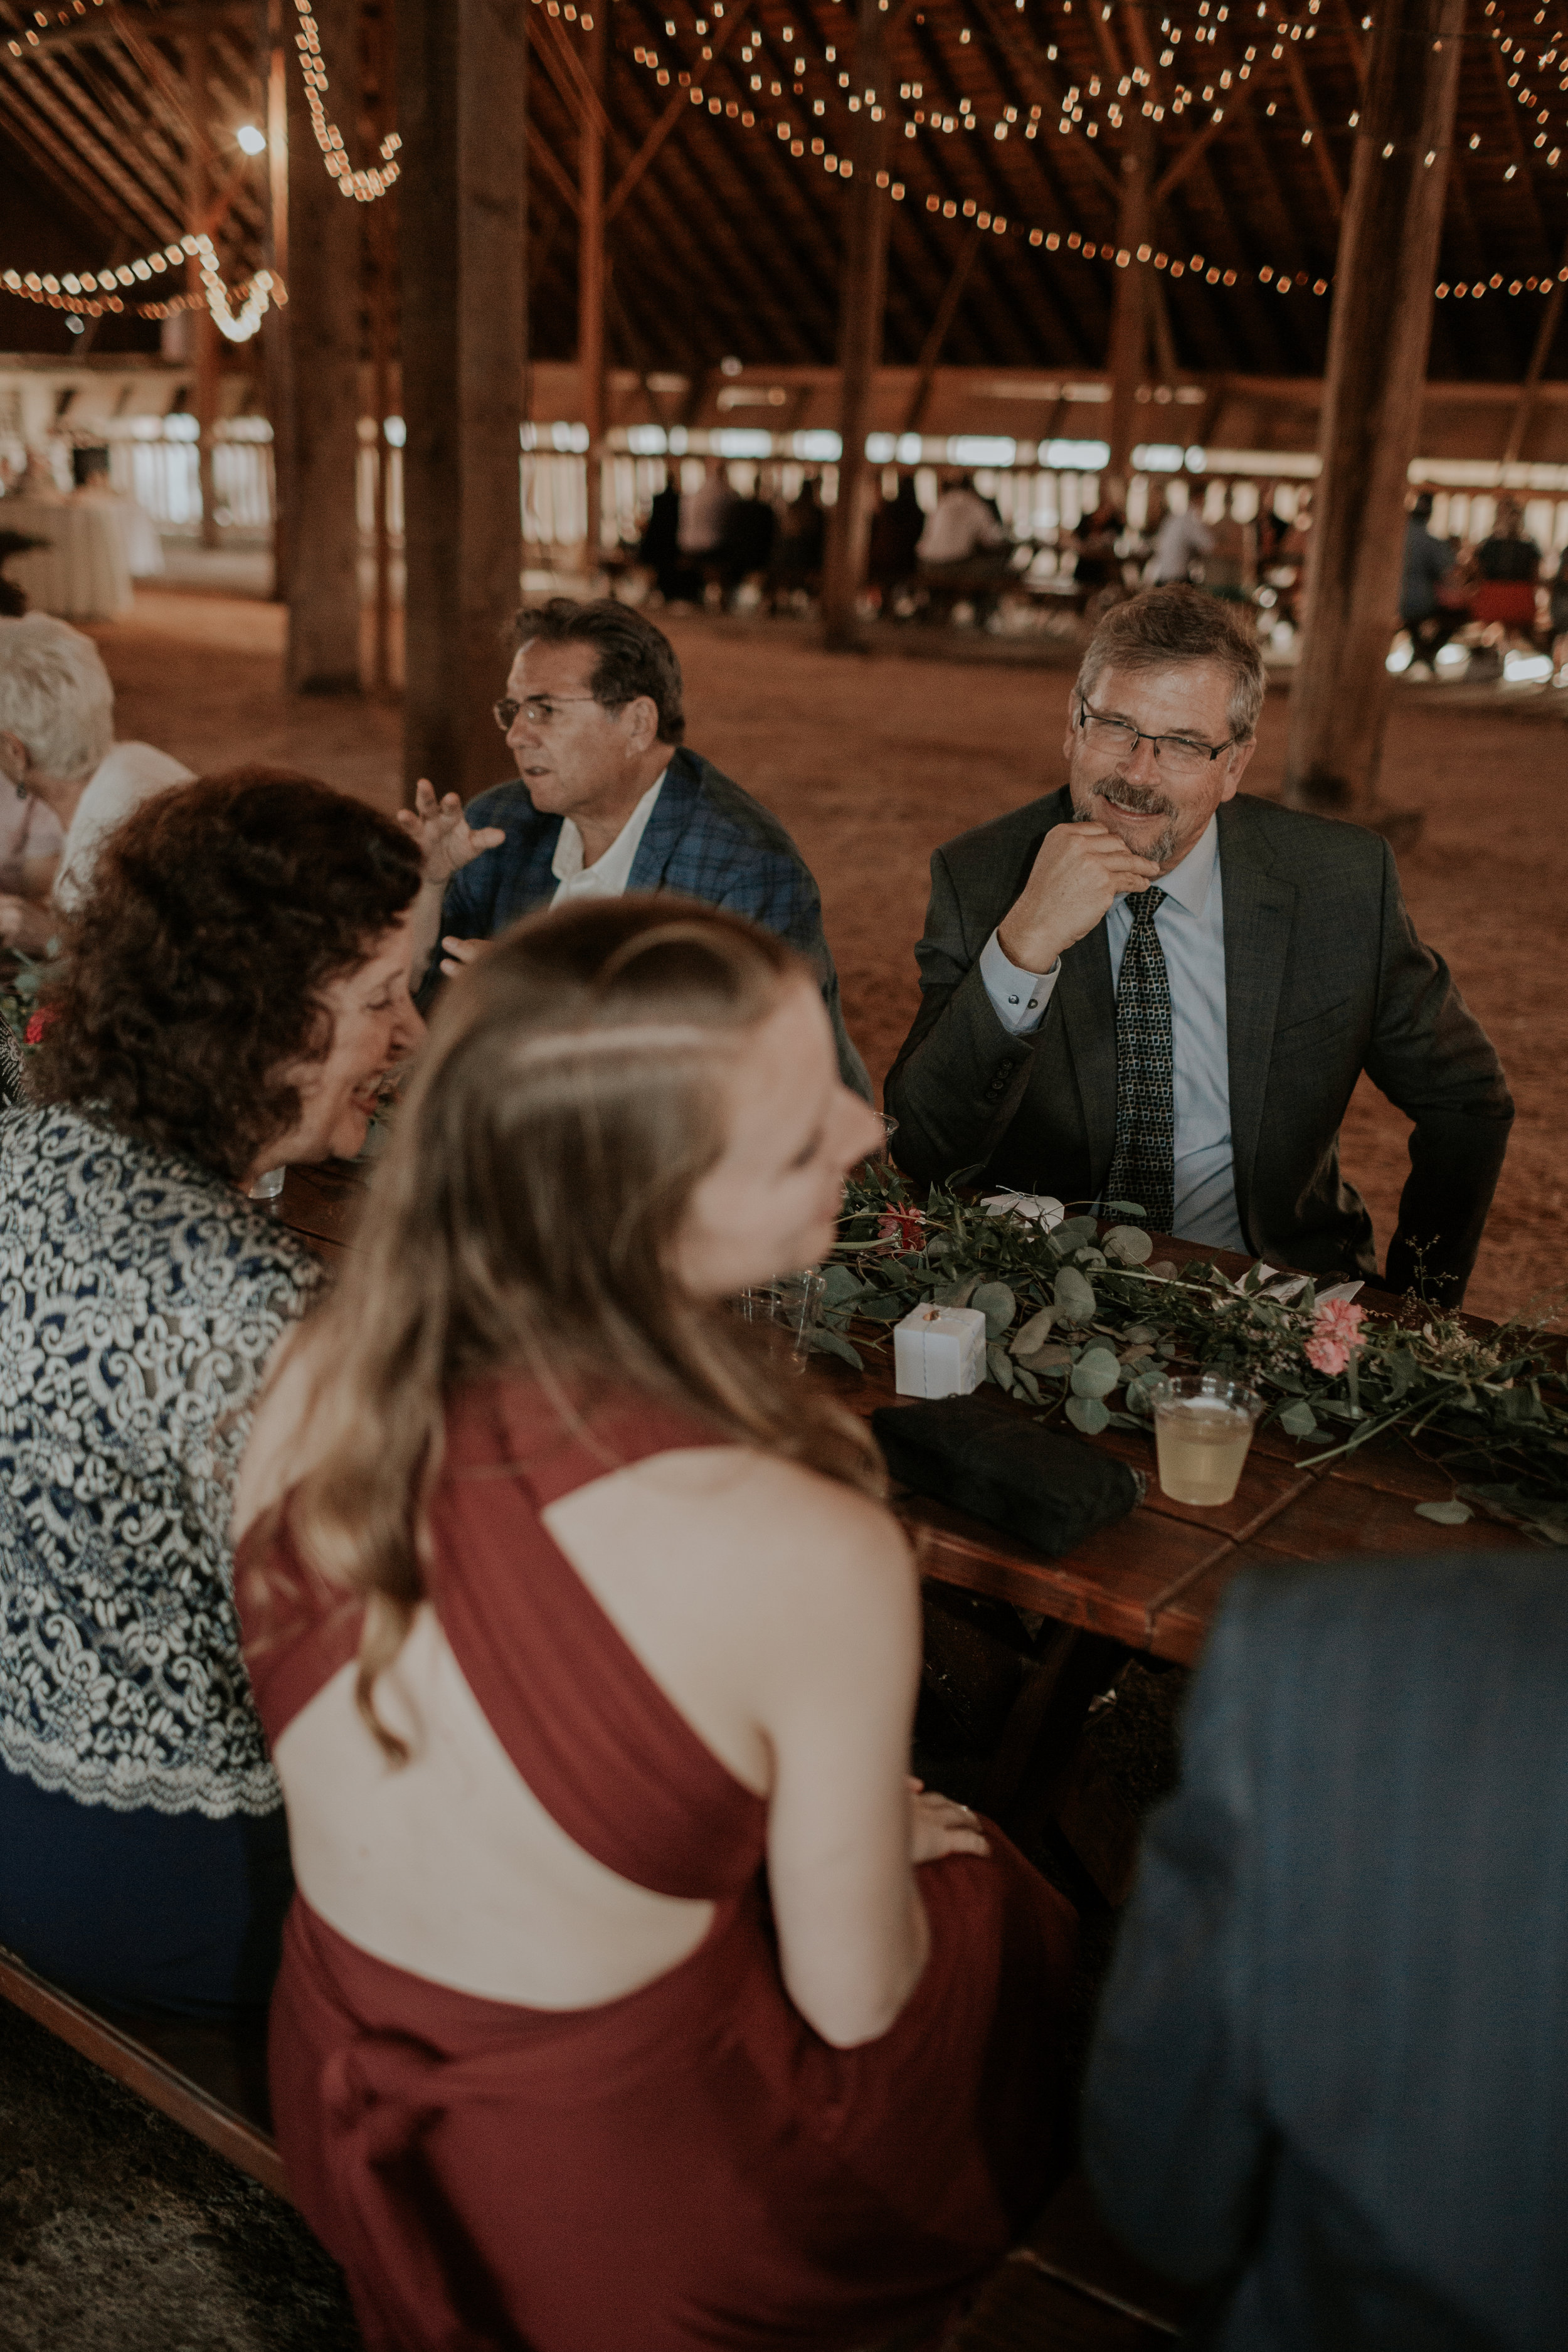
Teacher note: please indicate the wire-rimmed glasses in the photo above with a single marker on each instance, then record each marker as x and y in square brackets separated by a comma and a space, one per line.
[539, 709]
[1179, 755]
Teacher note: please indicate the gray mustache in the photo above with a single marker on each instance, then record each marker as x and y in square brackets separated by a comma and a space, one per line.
[1135, 798]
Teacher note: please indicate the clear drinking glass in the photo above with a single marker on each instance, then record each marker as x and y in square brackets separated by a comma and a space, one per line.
[793, 1303]
[1203, 1428]
[267, 1185]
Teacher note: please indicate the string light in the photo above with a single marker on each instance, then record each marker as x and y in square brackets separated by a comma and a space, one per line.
[365, 187]
[1553, 58]
[89, 293]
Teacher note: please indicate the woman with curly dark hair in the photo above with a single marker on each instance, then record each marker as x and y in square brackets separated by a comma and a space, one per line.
[235, 984]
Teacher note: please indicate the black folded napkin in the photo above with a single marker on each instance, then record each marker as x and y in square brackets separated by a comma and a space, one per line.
[1032, 1482]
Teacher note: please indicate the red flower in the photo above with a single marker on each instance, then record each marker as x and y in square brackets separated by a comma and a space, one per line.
[34, 1033]
[907, 1226]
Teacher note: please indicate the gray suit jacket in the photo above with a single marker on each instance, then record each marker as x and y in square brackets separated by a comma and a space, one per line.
[1331, 2076]
[1324, 978]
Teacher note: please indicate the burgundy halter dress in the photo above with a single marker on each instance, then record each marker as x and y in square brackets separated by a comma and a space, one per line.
[690, 2165]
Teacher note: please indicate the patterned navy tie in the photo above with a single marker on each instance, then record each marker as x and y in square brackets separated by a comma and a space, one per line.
[1143, 1165]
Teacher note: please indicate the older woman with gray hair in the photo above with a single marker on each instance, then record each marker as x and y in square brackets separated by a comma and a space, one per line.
[72, 781]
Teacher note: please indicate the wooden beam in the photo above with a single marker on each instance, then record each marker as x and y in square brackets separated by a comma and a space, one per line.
[1236, 105]
[1371, 406]
[202, 326]
[860, 335]
[930, 350]
[1324, 160]
[462, 82]
[276, 345]
[591, 278]
[679, 110]
[1545, 333]
[324, 260]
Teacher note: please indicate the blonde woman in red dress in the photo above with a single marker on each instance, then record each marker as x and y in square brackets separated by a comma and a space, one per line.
[632, 2000]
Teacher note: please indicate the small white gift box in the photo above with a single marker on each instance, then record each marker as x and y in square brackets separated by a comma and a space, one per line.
[940, 1351]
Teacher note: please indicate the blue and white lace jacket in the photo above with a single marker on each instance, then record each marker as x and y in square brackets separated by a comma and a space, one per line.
[140, 1297]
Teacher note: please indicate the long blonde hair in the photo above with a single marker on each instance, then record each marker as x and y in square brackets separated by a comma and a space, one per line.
[523, 1220]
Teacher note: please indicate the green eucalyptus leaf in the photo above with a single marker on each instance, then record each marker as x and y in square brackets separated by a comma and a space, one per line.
[956, 1294]
[1074, 1231]
[999, 1367]
[1052, 1358]
[1140, 1335]
[1028, 1383]
[1033, 1333]
[1125, 1209]
[1087, 1415]
[833, 1343]
[1141, 1392]
[1298, 1420]
[885, 1311]
[1074, 1294]
[1096, 1373]
[1444, 1514]
[997, 1303]
[839, 1283]
[1128, 1245]
[1091, 1260]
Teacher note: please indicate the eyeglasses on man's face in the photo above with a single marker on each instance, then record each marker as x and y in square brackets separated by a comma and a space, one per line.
[1179, 755]
[539, 709]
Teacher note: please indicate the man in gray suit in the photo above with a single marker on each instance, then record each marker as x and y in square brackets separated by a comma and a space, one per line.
[1143, 988]
[1331, 2077]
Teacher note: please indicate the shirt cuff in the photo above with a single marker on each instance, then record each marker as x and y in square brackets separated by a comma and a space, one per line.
[1018, 998]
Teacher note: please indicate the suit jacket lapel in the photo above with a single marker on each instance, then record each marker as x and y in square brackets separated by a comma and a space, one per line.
[672, 812]
[1259, 909]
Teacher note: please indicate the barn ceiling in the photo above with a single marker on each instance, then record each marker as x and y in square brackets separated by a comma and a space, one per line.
[729, 244]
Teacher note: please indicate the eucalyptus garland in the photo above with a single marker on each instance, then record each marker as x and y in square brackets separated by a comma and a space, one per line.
[1083, 1322]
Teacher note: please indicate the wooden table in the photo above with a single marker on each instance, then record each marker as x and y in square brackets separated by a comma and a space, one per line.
[1154, 1580]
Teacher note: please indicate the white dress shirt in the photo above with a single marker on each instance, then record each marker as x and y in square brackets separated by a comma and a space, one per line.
[609, 874]
[963, 526]
[1191, 930]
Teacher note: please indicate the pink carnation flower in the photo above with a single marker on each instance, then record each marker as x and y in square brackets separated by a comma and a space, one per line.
[1336, 1332]
[34, 1033]
[906, 1226]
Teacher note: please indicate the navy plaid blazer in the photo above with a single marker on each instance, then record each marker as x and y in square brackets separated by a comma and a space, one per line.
[706, 838]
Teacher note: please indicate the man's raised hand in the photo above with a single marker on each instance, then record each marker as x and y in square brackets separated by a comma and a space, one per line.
[446, 841]
[1078, 873]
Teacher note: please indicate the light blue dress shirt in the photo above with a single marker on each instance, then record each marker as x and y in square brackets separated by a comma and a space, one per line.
[1190, 929]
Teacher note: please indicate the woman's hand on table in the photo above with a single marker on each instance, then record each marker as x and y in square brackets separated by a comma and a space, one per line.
[23, 924]
[938, 1826]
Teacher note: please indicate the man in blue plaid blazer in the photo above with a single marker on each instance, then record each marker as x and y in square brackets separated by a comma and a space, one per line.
[607, 799]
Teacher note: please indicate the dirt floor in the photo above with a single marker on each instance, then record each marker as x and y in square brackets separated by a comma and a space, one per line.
[871, 762]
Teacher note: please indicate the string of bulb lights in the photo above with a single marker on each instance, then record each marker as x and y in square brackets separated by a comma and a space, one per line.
[91, 293]
[1073, 120]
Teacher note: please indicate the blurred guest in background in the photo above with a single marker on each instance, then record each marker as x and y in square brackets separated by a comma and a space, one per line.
[235, 986]
[705, 514]
[1181, 540]
[1507, 567]
[746, 548]
[1429, 570]
[963, 526]
[797, 553]
[565, 1613]
[659, 546]
[1331, 2082]
[57, 746]
[897, 528]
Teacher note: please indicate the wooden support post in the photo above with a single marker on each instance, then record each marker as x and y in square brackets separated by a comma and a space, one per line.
[591, 280]
[1544, 338]
[869, 216]
[382, 297]
[1371, 406]
[940, 327]
[1129, 317]
[323, 315]
[276, 347]
[204, 331]
[462, 82]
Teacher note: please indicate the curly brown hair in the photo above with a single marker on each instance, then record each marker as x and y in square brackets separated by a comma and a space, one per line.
[195, 962]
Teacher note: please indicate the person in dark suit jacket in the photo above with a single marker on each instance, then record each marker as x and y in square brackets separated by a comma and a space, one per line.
[607, 799]
[1330, 2074]
[1194, 1054]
